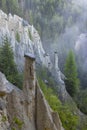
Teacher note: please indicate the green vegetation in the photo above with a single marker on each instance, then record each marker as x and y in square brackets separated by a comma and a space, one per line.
[13, 128]
[17, 37]
[16, 124]
[67, 111]
[81, 100]
[44, 74]
[30, 35]
[4, 118]
[7, 64]
[30, 17]
[50, 17]
[10, 6]
[71, 81]
[68, 118]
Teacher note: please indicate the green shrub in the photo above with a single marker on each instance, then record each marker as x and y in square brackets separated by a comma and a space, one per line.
[30, 35]
[81, 100]
[69, 120]
[18, 122]
[7, 64]
[17, 37]
[71, 81]
[13, 128]
[4, 118]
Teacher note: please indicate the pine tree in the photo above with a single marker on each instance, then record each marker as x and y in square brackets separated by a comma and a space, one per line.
[7, 64]
[72, 82]
[4, 5]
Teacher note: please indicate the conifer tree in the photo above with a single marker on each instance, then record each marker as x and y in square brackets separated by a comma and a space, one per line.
[3, 2]
[72, 81]
[7, 64]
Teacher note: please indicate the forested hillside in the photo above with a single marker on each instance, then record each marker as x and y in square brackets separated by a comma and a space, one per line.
[59, 23]
[62, 25]
[51, 16]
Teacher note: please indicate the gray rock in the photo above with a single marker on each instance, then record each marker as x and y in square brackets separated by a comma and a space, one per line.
[2, 104]
[5, 86]
[46, 118]
[33, 45]
[28, 106]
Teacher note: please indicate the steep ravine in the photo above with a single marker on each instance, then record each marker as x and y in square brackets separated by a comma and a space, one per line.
[24, 38]
[26, 109]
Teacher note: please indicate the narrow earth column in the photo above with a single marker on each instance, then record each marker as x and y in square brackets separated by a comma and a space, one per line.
[29, 85]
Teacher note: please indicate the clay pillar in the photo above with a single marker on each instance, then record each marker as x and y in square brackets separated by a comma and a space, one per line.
[29, 85]
[29, 72]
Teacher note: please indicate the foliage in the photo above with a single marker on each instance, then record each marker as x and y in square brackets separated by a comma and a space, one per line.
[30, 17]
[17, 37]
[81, 100]
[30, 35]
[71, 81]
[10, 6]
[4, 118]
[69, 120]
[50, 17]
[7, 64]
[16, 123]
[13, 128]
[83, 124]
[4, 5]
[46, 76]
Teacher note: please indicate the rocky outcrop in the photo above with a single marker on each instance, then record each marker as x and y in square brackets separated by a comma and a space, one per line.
[26, 109]
[24, 38]
[5, 88]
[48, 120]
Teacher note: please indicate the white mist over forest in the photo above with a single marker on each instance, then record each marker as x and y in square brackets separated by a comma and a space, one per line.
[60, 23]
[52, 35]
[73, 35]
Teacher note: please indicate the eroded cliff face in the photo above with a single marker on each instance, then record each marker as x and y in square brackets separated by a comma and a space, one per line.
[26, 109]
[24, 38]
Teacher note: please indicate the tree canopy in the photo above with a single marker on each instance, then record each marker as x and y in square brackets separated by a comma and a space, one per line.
[72, 82]
[7, 64]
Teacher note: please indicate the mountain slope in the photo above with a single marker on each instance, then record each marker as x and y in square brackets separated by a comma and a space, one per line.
[25, 39]
[26, 109]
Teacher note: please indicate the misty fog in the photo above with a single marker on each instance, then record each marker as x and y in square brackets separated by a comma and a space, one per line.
[68, 39]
